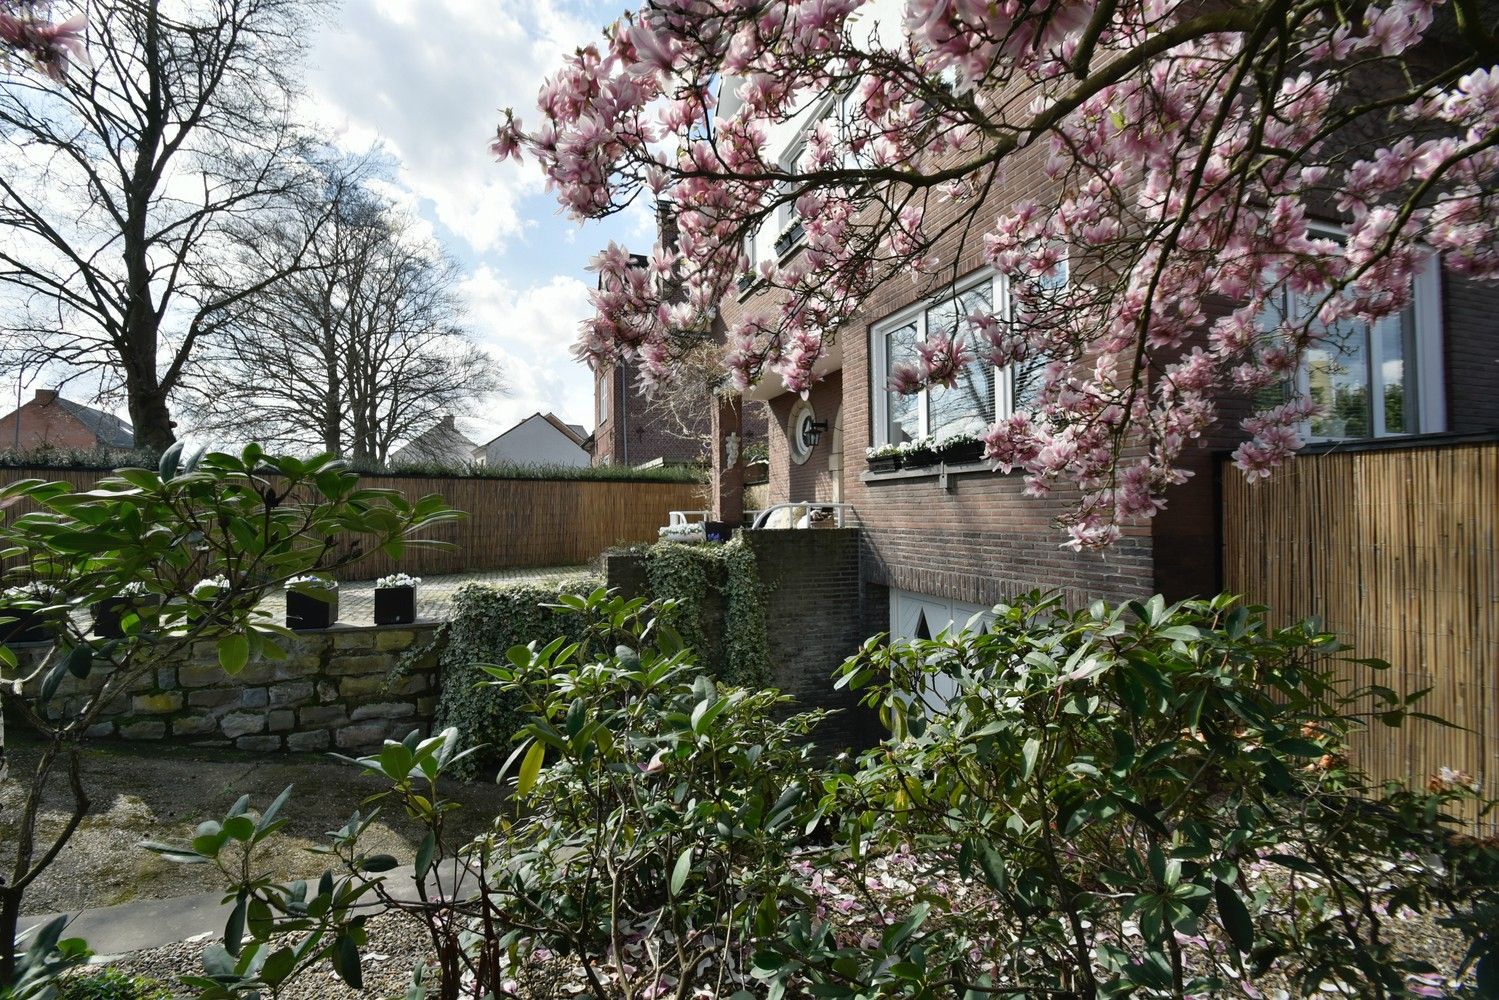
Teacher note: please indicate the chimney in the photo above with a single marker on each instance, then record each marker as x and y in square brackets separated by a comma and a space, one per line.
[46, 396]
[447, 422]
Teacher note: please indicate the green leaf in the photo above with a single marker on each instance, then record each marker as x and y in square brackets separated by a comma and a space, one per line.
[278, 965]
[346, 961]
[424, 855]
[379, 863]
[1028, 755]
[1235, 916]
[234, 653]
[80, 661]
[680, 871]
[234, 930]
[529, 769]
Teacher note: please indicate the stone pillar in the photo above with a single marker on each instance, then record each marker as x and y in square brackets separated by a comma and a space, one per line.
[727, 482]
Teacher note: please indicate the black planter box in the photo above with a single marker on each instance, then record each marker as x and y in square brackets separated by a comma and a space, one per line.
[885, 463]
[107, 614]
[305, 612]
[395, 605]
[919, 459]
[26, 625]
[963, 453]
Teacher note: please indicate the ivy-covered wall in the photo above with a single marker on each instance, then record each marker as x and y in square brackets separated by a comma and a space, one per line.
[780, 609]
[722, 605]
[485, 622]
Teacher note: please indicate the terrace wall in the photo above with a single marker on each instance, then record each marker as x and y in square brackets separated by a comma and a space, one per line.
[343, 689]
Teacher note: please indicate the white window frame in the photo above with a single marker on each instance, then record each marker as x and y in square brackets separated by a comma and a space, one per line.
[879, 362]
[1427, 355]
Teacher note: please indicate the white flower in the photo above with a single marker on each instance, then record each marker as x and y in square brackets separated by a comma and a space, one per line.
[208, 589]
[312, 582]
[395, 580]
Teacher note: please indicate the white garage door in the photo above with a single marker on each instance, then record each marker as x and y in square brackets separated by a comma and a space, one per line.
[920, 616]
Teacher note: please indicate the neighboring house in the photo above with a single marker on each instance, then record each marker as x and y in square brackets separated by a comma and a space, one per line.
[443, 443]
[632, 429]
[540, 439]
[50, 421]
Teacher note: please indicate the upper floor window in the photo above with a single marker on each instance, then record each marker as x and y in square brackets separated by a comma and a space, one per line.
[1373, 380]
[983, 392]
[604, 383]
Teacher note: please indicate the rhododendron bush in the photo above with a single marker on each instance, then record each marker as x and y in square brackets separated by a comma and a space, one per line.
[1185, 147]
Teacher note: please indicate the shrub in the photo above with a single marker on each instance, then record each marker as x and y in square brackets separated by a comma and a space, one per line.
[651, 843]
[201, 541]
[484, 623]
[112, 984]
[1148, 800]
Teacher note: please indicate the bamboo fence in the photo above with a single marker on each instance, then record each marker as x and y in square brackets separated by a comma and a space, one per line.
[510, 523]
[1394, 549]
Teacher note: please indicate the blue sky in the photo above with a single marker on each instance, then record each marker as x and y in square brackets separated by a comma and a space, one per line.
[428, 81]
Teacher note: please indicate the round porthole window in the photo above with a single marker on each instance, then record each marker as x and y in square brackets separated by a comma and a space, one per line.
[803, 430]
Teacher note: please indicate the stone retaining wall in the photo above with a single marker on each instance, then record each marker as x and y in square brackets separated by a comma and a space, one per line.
[340, 689]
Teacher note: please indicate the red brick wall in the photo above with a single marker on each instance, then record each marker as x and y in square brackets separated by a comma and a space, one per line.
[811, 480]
[982, 540]
[634, 435]
[43, 423]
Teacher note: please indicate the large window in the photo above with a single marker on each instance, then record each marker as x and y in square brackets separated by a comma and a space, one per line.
[1378, 380]
[982, 392]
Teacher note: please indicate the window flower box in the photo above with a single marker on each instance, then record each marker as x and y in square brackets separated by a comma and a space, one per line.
[962, 451]
[311, 603]
[395, 599]
[886, 458]
[919, 457]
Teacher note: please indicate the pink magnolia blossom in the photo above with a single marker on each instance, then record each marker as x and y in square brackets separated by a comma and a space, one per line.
[1165, 256]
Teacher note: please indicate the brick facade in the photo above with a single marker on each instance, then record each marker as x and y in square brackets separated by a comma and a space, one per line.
[973, 536]
[49, 421]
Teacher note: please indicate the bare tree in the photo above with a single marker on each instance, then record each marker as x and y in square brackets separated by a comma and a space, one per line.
[360, 347]
[127, 181]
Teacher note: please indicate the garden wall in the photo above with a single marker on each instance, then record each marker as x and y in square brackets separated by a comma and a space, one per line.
[814, 619]
[511, 523]
[342, 689]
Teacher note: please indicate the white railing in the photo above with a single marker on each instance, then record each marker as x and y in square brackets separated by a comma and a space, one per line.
[805, 519]
[677, 518]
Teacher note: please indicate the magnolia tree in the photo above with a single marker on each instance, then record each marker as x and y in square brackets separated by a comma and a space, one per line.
[28, 32]
[1184, 149]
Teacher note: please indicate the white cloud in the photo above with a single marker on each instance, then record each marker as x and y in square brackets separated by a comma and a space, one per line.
[433, 89]
[529, 330]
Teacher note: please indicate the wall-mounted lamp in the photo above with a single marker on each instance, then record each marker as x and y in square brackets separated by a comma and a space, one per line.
[812, 430]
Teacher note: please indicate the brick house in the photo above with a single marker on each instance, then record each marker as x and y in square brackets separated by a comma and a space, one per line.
[948, 540]
[631, 428]
[48, 420]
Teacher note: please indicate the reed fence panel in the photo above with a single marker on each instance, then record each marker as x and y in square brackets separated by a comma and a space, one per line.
[1394, 549]
[510, 523]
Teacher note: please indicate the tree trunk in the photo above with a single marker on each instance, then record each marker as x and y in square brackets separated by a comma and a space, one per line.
[150, 417]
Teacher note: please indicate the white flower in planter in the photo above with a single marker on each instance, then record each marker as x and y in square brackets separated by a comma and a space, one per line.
[396, 580]
[310, 582]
